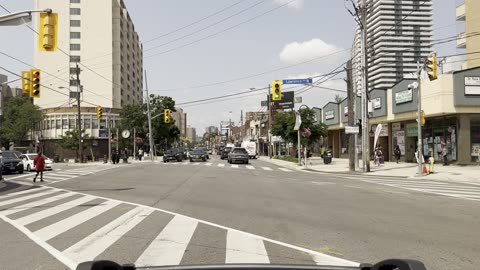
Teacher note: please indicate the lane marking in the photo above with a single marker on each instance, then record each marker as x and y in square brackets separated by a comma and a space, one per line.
[24, 198]
[234, 166]
[221, 165]
[93, 245]
[266, 168]
[242, 248]
[196, 164]
[250, 167]
[34, 204]
[30, 190]
[170, 245]
[284, 169]
[208, 164]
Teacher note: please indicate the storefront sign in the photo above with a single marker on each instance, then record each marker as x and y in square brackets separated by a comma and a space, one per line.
[396, 126]
[472, 85]
[329, 115]
[376, 103]
[403, 96]
[412, 130]
[475, 150]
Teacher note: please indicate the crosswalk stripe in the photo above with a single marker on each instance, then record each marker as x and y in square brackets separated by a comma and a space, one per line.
[221, 165]
[47, 177]
[185, 163]
[34, 204]
[30, 190]
[97, 242]
[250, 167]
[42, 193]
[196, 163]
[473, 193]
[459, 188]
[208, 164]
[395, 181]
[243, 248]
[169, 246]
[284, 169]
[64, 225]
[53, 210]
[234, 166]
[69, 173]
[266, 168]
[58, 175]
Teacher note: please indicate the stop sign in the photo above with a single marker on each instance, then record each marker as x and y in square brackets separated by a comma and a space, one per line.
[138, 139]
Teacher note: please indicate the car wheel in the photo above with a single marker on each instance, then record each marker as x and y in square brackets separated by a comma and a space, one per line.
[28, 168]
[204, 160]
[20, 171]
[246, 162]
[191, 160]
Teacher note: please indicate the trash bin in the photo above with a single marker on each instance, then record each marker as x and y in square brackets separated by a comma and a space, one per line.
[327, 157]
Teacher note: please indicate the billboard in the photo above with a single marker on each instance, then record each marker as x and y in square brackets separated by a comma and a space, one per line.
[287, 101]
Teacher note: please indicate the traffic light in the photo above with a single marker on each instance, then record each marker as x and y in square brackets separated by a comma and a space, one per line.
[99, 110]
[422, 118]
[35, 82]
[276, 90]
[48, 28]
[167, 116]
[26, 82]
[431, 67]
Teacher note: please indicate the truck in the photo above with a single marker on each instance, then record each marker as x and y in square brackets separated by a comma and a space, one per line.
[251, 148]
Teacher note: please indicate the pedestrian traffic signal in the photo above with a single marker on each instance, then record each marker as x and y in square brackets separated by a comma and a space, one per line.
[167, 116]
[422, 118]
[47, 32]
[26, 82]
[276, 90]
[99, 111]
[431, 67]
[35, 82]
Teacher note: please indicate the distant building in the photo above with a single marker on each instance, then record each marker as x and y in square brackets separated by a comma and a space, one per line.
[180, 121]
[191, 134]
[254, 115]
[469, 39]
[211, 130]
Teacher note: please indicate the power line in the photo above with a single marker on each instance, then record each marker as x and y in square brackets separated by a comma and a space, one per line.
[206, 27]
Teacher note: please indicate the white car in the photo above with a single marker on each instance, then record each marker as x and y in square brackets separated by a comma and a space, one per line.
[27, 160]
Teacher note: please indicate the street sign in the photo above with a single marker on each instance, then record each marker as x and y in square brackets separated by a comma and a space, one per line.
[264, 103]
[297, 81]
[352, 130]
[285, 103]
[298, 99]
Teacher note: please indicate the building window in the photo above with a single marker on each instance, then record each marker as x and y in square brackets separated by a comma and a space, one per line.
[65, 123]
[75, 23]
[73, 83]
[103, 124]
[75, 1]
[74, 11]
[87, 123]
[73, 70]
[75, 47]
[74, 35]
[71, 123]
[74, 58]
[58, 124]
[95, 123]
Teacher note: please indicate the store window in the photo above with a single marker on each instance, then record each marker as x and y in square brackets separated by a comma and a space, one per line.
[440, 133]
[475, 140]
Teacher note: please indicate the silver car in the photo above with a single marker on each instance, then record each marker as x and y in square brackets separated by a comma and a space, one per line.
[238, 154]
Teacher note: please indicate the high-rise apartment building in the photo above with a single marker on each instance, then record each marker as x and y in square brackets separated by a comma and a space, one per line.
[470, 39]
[399, 33]
[191, 134]
[180, 121]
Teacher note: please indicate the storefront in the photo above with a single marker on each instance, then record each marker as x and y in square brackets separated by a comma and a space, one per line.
[438, 133]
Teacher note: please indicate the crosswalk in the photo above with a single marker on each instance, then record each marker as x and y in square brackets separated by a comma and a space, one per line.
[223, 165]
[457, 190]
[76, 227]
[50, 177]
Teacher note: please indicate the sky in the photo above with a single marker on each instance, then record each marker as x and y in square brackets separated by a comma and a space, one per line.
[265, 38]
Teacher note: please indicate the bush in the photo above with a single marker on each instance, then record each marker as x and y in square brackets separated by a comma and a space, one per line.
[287, 158]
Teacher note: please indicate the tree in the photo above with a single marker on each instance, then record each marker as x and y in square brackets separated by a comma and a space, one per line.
[285, 122]
[339, 98]
[133, 116]
[163, 132]
[70, 140]
[20, 116]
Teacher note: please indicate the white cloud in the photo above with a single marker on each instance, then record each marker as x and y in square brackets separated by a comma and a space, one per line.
[301, 51]
[297, 4]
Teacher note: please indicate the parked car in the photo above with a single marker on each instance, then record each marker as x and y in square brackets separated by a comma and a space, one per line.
[238, 154]
[198, 154]
[11, 162]
[171, 154]
[220, 150]
[27, 160]
[182, 152]
[225, 152]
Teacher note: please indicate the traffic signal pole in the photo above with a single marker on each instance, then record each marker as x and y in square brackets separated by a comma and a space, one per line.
[150, 135]
[365, 124]
[79, 123]
[269, 100]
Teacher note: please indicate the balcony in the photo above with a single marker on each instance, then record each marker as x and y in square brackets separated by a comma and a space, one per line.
[461, 41]
[460, 12]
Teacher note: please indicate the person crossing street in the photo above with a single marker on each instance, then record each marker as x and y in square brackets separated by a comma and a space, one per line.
[39, 163]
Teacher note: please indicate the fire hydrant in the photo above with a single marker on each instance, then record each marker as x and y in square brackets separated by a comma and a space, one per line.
[431, 160]
[105, 159]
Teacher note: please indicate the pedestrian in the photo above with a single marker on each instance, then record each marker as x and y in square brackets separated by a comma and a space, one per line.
[114, 156]
[379, 156]
[1, 166]
[322, 151]
[397, 153]
[39, 164]
[125, 155]
[140, 154]
[117, 157]
[444, 154]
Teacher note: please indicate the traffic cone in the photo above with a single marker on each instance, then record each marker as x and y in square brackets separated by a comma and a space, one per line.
[425, 170]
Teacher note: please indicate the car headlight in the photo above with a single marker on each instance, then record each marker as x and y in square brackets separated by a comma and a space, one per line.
[20, 162]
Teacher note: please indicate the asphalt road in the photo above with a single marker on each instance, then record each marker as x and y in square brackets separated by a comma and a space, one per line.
[199, 213]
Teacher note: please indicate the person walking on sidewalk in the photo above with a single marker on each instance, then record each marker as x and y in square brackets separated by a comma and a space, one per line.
[140, 154]
[39, 163]
[322, 151]
[444, 154]
[397, 153]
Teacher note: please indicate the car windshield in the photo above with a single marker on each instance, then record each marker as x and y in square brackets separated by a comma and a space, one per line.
[187, 132]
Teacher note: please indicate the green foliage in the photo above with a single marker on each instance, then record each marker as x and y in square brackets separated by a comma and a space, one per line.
[70, 140]
[284, 123]
[133, 116]
[287, 158]
[19, 117]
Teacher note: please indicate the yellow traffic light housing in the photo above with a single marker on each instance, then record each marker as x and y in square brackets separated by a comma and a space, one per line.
[277, 90]
[431, 67]
[26, 82]
[166, 116]
[47, 32]
[35, 82]
[99, 111]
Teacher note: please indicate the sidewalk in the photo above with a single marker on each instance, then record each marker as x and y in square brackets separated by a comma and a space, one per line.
[454, 173]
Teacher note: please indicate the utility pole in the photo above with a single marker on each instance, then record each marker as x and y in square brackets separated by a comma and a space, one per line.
[351, 118]
[109, 137]
[150, 135]
[269, 122]
[419, 117]
[365, 125]
[79, 123]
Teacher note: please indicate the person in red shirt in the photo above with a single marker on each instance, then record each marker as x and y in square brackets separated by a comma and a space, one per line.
[39, 163]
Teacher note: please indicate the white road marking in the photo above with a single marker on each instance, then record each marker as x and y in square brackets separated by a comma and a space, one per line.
[64, 225]
[284, 169]
[242, 248]
[221, 165]
[234, 166]
[250, 167]
[208, 164]
[19, 199]
[97, 242]
[33, 204]
[266, 168]
[30, 190]
[53, 210]
[169, 246]
[196, 164]
[184, 163]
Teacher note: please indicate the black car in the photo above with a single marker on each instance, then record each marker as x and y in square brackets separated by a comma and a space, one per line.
[182, 152]
[238, 154]
[11, 162]
[198, 154]
[205, 150]
[172, 154]
[225, 152]
[220, 150]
